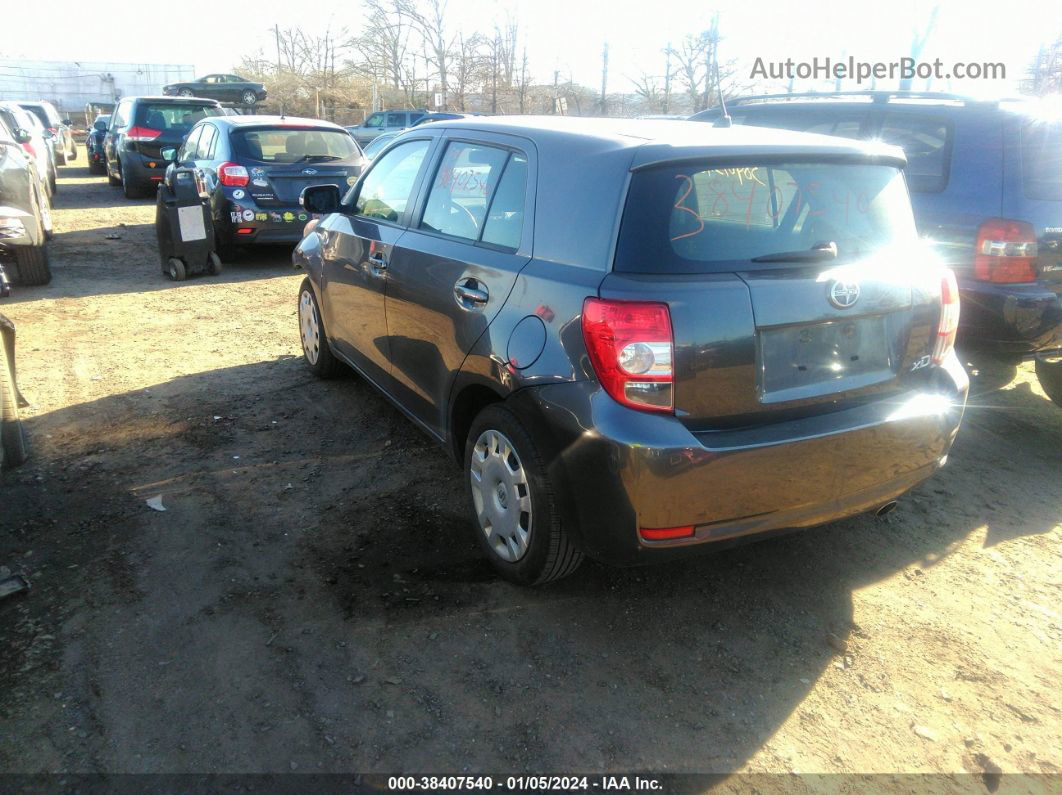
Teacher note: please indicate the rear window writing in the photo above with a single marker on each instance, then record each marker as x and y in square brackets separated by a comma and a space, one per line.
[689, 219]
[294, 145]
[167, 117]
[1041, 160]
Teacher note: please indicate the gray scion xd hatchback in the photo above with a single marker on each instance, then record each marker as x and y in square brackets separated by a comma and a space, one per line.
[641, 337]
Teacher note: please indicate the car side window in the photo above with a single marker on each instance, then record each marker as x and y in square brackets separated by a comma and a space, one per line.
[505, 218]
[118, 120]
[462, 189]
[386, 190]
[189, 147]
[925, 142]
[375, 120]
[205, 146]
[396, 120]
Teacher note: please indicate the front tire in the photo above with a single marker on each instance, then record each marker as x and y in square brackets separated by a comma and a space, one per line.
[185, 92]
[249, 98]
[1050, 377]
[315, 350]
[12, 438]
[514, 510]
[32, 265]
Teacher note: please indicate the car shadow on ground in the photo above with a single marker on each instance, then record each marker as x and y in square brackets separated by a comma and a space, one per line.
[312, 599]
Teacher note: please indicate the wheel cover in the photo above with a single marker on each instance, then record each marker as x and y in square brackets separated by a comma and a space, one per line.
[501, 495]
[309, 327]
[248, 98]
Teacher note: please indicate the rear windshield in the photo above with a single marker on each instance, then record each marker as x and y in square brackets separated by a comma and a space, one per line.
[294, 145]
[697, 218]
[1041, 159]
[172, 117]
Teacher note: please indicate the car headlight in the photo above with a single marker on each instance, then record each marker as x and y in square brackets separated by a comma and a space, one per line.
[11, 227]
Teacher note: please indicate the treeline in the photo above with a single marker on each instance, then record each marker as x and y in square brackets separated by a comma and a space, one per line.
[406, 54]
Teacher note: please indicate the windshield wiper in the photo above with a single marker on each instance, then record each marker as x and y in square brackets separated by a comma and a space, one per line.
[817, 253]
[317, 158]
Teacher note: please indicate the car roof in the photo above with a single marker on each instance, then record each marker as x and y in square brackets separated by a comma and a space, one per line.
[274, 121]
[667, 139]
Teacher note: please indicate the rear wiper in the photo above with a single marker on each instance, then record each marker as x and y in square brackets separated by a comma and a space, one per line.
[817, 253]
[317, 158]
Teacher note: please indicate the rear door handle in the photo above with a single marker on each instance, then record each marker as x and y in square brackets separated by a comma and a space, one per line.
[469, 295]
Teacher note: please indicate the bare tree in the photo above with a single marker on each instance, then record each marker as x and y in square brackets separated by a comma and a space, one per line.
[428, 17]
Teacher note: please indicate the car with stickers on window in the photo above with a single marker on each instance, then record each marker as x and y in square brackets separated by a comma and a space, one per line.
[254, 168]
[641, 338]
[139, 129]
[986, 185]
[224, 88]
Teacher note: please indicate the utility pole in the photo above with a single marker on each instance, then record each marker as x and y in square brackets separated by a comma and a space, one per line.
[276, 30]
[604, 80]
[667, 81]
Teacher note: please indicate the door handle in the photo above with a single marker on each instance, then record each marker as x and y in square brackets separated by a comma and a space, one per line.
[378, 262]
[469, 295]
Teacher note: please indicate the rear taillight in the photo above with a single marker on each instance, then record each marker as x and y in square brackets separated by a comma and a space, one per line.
[233, 176]
[29, 150]
[1006, 252]
[631, 348]
[142, 134]
[949, 317]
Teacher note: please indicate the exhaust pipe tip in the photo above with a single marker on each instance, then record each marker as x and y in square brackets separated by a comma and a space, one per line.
[885, 509]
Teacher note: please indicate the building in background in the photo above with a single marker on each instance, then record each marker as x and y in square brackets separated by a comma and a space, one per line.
[72, 85]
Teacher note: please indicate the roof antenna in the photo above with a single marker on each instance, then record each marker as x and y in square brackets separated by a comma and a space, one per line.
[724, 120]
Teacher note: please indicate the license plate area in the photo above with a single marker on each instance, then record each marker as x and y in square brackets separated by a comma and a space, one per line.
[805, 361]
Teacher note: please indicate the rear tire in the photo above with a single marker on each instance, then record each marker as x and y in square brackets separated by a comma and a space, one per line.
[185, 92]
[1050, 376]
[129, 190]
[315, 350]
[214, 268]
[249, 98]
[12, 438]
[32, 265]
[513, 505]
[60, 158]
[73, 152]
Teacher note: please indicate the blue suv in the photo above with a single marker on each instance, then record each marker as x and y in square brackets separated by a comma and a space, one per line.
[986, 183]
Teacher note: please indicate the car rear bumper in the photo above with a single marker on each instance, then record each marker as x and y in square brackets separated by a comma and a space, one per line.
[141, 172]
[243, 222]
[617, 470]
[1010, 319]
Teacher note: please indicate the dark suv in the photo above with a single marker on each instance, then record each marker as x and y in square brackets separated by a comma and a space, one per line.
[986, 185]
[638, 337]
[139, 129]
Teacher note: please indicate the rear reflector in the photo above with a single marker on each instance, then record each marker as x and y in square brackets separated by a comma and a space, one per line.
[232, 175]
[1006, 252]
[631, 349]
[245, 231]
[665, 533]
[142, 134]
[949, 317]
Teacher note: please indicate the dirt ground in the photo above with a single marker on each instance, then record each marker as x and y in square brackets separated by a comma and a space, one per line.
[312, 599]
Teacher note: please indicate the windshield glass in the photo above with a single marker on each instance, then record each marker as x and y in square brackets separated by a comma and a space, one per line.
[1041, 159]
[294, 145]
[172, 117]
[690, 218]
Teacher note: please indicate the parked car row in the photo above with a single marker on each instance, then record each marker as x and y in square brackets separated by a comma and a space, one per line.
[986, 184]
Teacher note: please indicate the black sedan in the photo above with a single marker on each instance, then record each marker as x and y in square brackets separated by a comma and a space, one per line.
[254, 169]
[223, 88]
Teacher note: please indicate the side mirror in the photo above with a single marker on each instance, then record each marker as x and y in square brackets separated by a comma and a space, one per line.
[320, 199]
[169, 153]
[22, 137]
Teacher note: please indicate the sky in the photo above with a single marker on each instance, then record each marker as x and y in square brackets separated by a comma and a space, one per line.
[568, 35]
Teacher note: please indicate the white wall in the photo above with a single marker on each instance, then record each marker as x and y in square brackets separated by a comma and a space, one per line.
[70, 85]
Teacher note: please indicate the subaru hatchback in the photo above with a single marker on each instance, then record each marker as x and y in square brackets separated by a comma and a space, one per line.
[254, 168]
[640, 338]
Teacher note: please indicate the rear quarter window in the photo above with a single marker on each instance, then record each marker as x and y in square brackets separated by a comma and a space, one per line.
[172, 117]
[927, 143]
[1041, 159]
